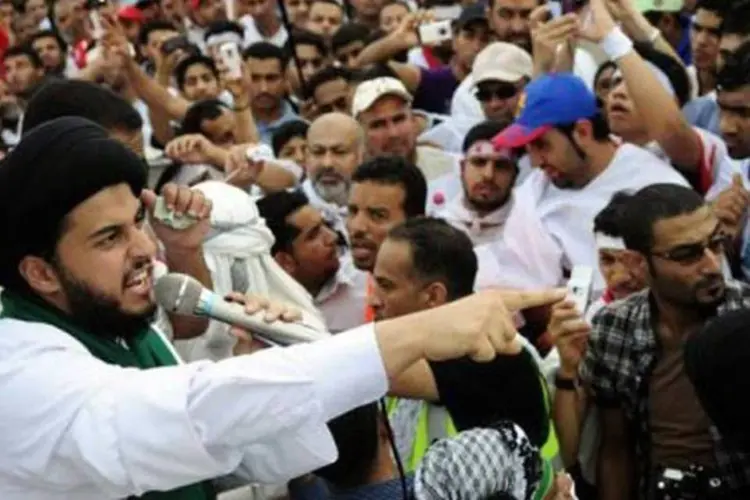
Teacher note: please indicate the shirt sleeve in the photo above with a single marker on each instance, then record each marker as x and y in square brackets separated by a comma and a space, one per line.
[480, 394]
[716, 168]
[597, 368]
[79, 423]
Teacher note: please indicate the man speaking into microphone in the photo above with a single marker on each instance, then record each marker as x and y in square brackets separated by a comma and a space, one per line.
[93, 403]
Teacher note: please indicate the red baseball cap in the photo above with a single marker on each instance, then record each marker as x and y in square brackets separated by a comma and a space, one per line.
[130, 13]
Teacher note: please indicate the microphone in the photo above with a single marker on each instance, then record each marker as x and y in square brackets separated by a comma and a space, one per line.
[183, 294]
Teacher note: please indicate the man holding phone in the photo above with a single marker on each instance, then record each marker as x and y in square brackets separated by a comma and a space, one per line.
[432, 88]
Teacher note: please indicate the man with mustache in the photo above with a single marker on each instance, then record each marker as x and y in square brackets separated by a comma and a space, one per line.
[385, 192]
[267, 64]
[633, 365]
[307, 249]
[96, 405]
[488, 176]
[335, 147]
[383, 108]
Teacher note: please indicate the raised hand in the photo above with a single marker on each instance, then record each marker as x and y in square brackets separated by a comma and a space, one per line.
[569, 332]
[192, 148]
[549, 35]
[481, 326]
[274, 311]
[596, 22]
[731, 206]
[240, 171]
[184, 201]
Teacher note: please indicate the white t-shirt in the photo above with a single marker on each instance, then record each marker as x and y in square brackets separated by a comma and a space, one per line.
[344, 299]
[550, 229]
[716, 168]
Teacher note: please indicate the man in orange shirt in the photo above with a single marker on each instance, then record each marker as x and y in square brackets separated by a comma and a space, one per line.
[385, 192]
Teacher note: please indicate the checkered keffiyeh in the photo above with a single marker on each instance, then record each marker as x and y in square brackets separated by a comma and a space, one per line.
[478, 463]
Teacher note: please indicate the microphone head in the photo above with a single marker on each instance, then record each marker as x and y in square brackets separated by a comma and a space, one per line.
[178, 293]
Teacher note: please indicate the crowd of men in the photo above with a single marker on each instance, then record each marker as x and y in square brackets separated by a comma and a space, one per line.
[364, 163]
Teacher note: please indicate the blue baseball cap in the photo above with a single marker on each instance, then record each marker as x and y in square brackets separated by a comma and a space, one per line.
[552, 99]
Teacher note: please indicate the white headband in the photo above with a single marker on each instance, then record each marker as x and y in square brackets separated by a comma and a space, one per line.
[606, 242]
[224, 37]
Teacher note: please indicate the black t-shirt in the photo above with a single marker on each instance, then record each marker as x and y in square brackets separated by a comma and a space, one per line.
[481, 394]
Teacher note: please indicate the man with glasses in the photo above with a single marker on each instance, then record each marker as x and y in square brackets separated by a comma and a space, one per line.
[651, 419]
[500, 73]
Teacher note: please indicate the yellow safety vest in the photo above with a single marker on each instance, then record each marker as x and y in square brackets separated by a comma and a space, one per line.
[550, 448]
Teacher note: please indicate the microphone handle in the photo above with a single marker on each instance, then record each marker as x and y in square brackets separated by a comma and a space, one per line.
[215, 307]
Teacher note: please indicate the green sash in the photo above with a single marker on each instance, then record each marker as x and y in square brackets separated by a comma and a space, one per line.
[145, 350]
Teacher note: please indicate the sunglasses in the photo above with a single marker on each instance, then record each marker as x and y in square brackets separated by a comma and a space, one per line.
[690, 254]
[498, 91]
[339, 104]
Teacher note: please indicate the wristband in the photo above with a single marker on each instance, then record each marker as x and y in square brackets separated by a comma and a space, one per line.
[654, 36]
[242, 108]
[565, 384]
[616, 44]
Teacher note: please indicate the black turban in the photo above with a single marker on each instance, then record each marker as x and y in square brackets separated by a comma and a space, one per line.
[56, 167]
[717, 361]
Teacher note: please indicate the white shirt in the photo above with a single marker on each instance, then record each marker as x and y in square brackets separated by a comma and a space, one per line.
[252, 35]
[74, 427]
[343, 300]
[416, 57]
[550, 229]
[715, 165]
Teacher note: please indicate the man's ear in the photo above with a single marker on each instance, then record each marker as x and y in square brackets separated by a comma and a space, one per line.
[286, 261]
[583, 131]
[435, 294]
[40, 275]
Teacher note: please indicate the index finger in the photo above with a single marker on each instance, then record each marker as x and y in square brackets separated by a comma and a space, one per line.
[539, 15]
[518, 300]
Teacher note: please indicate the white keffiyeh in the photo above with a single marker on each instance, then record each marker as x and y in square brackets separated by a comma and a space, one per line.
[238, 254]
[480, 229]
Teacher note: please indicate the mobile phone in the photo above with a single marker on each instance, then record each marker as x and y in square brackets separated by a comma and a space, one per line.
[436, 32]
[232, 59]
[175, 43]
[579, 286]
[259, 152]
[572, 6]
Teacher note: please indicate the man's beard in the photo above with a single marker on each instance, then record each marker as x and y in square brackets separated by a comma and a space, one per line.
[336, 193]
[99, 314]
[484, 206]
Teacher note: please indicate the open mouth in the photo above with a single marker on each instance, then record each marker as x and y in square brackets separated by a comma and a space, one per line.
[140, 281]
[618, 108]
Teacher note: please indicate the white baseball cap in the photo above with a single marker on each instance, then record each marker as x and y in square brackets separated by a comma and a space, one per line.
[502, 61]
[370, 91]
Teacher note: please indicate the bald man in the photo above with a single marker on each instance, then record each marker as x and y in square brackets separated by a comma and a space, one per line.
[335, 148]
